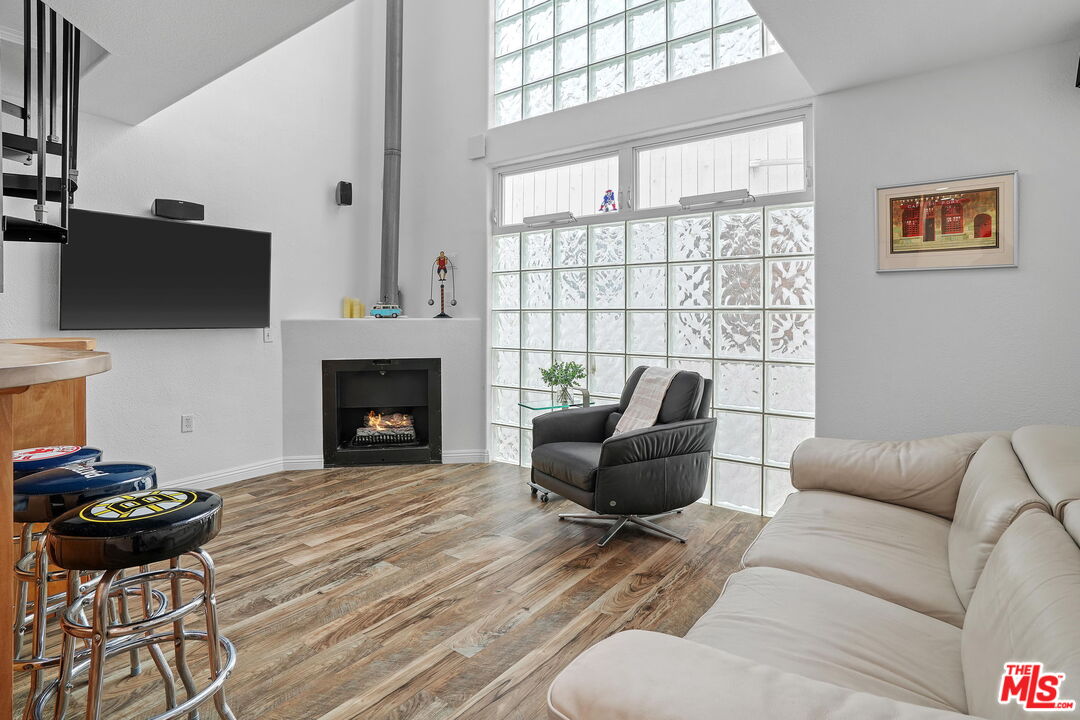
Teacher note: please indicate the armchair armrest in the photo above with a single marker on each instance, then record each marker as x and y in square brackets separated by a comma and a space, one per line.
[921, 474]
[638, 675]
[575, 425]
[659, 441]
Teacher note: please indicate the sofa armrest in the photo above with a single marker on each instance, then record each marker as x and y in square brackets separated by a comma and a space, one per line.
[921, 474]
[659, 441]
[585, 424]
[638, 675]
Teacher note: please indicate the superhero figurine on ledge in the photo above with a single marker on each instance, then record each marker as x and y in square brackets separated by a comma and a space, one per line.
[609, 202]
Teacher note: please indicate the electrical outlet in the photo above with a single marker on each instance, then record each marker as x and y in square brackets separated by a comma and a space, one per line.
[268, 335]
[187, 423]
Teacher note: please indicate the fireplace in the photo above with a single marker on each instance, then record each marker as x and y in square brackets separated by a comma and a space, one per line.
[382, 412]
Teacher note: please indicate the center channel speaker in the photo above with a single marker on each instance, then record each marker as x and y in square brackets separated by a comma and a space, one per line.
[177, 209]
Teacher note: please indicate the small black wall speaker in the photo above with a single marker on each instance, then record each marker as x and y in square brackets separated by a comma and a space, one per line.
[177, 209]
[344, 193]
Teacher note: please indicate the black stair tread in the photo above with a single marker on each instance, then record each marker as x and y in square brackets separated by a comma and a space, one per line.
[29, 144]
[22, 185]
[18, 229]
[12, 109]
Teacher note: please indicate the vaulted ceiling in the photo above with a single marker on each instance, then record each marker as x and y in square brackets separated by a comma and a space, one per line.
[839, 44]
[159, 52]
[155, 53]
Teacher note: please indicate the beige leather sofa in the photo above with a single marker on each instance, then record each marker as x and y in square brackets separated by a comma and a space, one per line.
[896, 584]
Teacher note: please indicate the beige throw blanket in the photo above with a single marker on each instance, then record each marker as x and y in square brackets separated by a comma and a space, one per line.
[645, 403]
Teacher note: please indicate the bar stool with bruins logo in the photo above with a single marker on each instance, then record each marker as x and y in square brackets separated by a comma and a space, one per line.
[38, 499]
[123, 532]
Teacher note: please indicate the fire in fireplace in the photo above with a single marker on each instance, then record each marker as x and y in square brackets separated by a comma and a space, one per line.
[386, 428]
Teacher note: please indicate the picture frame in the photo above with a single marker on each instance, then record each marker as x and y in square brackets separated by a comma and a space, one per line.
[965, 222]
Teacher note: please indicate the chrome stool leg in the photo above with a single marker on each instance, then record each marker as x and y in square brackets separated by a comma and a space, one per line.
[213, 641]
[39, 627]
[64, 684]
[155, 652]
[26, 546]
[125, 617]
[179, 645]
[99, 619]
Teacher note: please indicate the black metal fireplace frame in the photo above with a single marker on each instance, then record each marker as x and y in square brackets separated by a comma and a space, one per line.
[335, 454]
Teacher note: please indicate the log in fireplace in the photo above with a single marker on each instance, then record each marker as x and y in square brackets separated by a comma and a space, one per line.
[382, 411]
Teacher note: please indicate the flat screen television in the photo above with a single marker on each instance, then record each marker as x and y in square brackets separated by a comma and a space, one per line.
[122, 272]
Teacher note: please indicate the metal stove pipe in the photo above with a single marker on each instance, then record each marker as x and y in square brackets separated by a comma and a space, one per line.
[391, 208]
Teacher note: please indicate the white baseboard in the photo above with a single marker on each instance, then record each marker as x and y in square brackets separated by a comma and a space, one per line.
[450, 457]
[303, 462]
[454, 457]
[230, 475]
[295, 462]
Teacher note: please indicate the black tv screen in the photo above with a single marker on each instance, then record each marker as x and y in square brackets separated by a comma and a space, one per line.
[121, 272]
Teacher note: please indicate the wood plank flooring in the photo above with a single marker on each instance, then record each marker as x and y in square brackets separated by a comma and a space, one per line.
[428, 592]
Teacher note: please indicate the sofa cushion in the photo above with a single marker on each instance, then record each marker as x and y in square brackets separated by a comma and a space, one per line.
[835, 634]
[994, 492]
[1024, 609]
[895, 553]
[682, 401]
[922, 474]
[572, 462]
[1051, 457]
[637, 674]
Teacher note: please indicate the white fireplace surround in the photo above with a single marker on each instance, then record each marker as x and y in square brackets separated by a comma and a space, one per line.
[457, 341]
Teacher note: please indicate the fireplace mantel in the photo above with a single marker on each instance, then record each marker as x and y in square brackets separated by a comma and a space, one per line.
[458, 342]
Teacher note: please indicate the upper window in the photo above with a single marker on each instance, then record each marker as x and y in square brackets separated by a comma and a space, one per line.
[554, 54]
[765, 161]
[588, 187]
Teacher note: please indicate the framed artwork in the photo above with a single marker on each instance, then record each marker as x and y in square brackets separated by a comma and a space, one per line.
[961, 223]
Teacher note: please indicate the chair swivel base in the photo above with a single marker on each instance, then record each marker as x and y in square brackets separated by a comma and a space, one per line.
[645, 522]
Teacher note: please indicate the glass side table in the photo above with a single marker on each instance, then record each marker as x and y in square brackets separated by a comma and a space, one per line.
[535, 489]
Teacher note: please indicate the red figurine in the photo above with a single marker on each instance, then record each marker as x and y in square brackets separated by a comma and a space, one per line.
[441, 266]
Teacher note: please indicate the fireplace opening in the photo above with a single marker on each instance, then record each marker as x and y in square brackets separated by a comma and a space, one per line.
[378, 412]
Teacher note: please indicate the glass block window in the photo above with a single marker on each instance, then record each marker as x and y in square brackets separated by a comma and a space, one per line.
[765, 161]
[561, 53]
[727, 293]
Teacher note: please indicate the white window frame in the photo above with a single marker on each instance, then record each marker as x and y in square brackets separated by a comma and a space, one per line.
[628, 155]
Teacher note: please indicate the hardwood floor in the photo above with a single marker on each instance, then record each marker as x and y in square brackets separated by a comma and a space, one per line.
[428, 592]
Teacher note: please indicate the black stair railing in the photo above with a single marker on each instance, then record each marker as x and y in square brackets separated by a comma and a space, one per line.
[49, 114]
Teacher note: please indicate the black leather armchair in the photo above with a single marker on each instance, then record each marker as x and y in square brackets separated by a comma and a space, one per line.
[636, 476]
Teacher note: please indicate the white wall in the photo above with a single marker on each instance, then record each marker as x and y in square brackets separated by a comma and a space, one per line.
[263, 148]
[914, 354]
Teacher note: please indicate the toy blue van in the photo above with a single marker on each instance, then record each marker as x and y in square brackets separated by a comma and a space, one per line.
[381, 310]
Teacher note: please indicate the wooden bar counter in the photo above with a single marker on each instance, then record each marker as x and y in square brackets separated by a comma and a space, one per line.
[21, 367]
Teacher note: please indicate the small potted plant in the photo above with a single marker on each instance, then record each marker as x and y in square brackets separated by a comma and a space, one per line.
[563, 376]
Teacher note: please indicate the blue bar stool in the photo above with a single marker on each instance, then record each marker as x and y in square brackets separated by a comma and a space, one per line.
[31, 460]
[28, 461]
[135, 530]
[40, 498]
